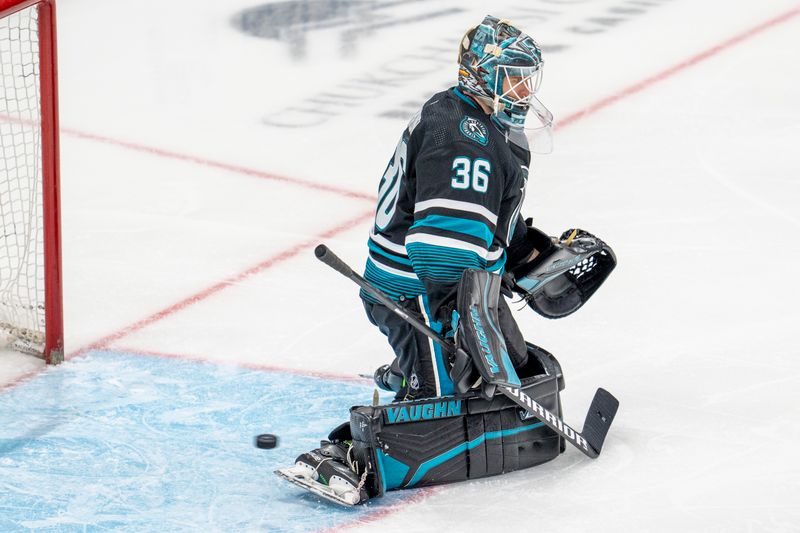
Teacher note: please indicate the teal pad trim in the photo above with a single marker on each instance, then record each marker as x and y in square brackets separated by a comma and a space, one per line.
[393, 472]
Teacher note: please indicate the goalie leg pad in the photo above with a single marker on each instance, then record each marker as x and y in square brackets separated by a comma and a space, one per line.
[479, 333]
[455, 438]
[515, 342]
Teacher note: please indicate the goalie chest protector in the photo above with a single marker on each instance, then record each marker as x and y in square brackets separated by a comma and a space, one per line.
[456, 438]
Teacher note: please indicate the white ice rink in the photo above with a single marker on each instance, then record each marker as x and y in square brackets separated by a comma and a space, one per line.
[201, 164]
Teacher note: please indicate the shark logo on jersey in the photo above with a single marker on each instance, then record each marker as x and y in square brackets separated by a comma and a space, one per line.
[475, 130]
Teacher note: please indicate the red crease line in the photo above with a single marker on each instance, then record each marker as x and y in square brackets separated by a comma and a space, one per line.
[664, 74]
[206, 293]
[219, 165]
[379, 512]
[331, 376]
[19, 380]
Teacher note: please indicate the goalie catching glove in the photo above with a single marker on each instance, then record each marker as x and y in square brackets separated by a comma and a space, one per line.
[563, 275]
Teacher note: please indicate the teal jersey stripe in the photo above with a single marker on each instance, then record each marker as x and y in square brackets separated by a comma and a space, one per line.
[440, 263]
[498, 266]
[461, 448]
[393, 285]
[473, 228]
[375, 249]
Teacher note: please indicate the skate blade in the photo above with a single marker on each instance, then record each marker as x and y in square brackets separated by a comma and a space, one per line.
[323, 491]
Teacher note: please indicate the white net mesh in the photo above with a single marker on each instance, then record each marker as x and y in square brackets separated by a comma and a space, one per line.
[22, 318]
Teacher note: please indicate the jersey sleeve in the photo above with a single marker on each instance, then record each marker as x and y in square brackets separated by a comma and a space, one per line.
[459, 193]
[510, 223]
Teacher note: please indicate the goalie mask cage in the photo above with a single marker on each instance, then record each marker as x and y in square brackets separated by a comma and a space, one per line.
[31, 317]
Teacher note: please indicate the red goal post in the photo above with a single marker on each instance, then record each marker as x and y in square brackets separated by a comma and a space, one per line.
[31, 310]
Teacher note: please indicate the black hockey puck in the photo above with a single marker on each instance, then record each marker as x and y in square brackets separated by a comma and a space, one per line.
[266, 441]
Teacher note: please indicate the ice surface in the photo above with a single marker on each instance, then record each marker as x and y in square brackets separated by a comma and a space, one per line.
[183, 239]
[115, 441]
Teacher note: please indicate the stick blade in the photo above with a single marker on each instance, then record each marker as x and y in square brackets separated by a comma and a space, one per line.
[599, 418]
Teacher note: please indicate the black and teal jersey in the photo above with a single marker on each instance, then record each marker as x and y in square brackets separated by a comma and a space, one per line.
[449, 200]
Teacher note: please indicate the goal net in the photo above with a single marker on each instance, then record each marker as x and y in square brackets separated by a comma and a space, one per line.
[30, 273]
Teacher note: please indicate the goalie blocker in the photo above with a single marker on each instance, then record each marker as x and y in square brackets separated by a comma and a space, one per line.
[456, 438]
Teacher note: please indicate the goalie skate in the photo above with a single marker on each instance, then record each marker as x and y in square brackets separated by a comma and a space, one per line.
[338, 491]
[328, 471]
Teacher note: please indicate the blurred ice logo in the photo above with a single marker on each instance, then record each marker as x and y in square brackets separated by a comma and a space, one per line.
[283, 20]
[291, 21]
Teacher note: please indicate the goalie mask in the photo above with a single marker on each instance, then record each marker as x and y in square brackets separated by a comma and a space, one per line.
[502, 67]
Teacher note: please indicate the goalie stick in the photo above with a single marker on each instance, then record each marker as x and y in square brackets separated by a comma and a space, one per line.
[601, 412]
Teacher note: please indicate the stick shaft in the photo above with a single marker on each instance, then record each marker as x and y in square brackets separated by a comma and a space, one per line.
[332, 260]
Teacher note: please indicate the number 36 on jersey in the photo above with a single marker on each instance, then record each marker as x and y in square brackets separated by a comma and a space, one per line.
[471, 173]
